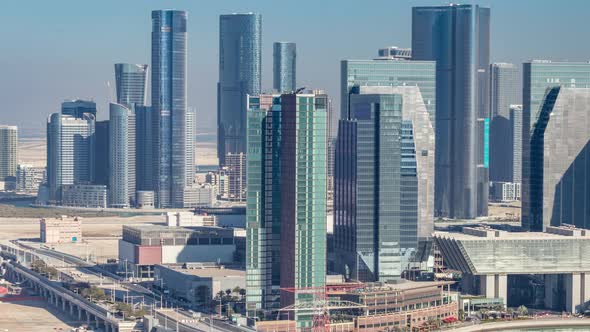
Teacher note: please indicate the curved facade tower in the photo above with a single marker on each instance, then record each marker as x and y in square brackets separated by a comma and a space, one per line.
[240, 46]
[121, 156]
[284, 57]
[169, 42]
[131, 83]
[457, 37]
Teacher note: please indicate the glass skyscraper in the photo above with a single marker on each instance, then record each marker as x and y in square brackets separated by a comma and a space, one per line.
[388, 71]
[384, 183]
[240, 47]
[169, 107]
[457, 37]
[8, 151]
[284, 57]
[556, 185]
[538, 77]
[143, 148]
[70, 152]
[121, 156]
[286, 202]
[77, 108]
[131, 84]
[505, 91]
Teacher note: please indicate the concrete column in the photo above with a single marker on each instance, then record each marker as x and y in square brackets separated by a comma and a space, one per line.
[63, 304]
[487, 285]
[502, 287]
[71, 309]
[79, 313]
[585, 279]
[87, 318]
[573, 291]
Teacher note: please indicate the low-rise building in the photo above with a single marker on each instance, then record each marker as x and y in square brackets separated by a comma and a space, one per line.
[145, 199]
[377, 307]
[493, 261]
[198, 283]
[29, 178]
[504, 191]
[63, 229]
[84, 195]
[144, 246]
[196, 196]
[189, 219]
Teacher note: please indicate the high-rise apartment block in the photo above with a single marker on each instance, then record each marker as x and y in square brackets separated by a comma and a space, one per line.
[384, 182]
[240, 54]
[169, 107]
[235, 169]
[286, 207]
[556, 185]
[70, 152]
[284, 58]
[457, 37]
[8, 152]
[516, 129]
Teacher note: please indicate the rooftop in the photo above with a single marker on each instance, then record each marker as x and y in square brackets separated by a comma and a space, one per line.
[553, 233]
[208, 271]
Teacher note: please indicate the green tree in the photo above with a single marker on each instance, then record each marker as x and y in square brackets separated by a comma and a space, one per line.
[522, 311]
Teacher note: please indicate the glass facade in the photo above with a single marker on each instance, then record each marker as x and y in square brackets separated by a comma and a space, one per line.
[383, 199]
[70, 152]
[286, 201]
[240, 47]
[143, 148]
[457, 37]
[284, 67]
[131, 84]
[394, 72]
[8, 149]
[169, 66]
[121, 156]
[556, 186]
[77, 108]
[505, 90]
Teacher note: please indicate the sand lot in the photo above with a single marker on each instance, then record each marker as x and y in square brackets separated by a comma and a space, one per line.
[33, 151]
[33, 315]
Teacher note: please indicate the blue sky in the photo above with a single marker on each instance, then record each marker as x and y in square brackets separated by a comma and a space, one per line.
[63, 49]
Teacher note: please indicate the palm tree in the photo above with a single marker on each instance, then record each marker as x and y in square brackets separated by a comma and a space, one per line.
[522, 310]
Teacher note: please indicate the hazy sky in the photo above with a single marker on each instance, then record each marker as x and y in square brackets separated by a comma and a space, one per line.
[64, 49]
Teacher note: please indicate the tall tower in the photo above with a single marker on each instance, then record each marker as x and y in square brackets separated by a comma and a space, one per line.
[240, 46]
[286, 206]
[284, 66]
[8, 151]
[70, 152]
[169, 107]
[504, 91]
[131, 84]
[121, 156]
[457, 37]
[384, 183]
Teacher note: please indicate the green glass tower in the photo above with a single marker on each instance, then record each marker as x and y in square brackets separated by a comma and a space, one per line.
[286, 203]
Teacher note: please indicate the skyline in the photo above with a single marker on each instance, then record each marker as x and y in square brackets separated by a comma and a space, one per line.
[76, 43]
